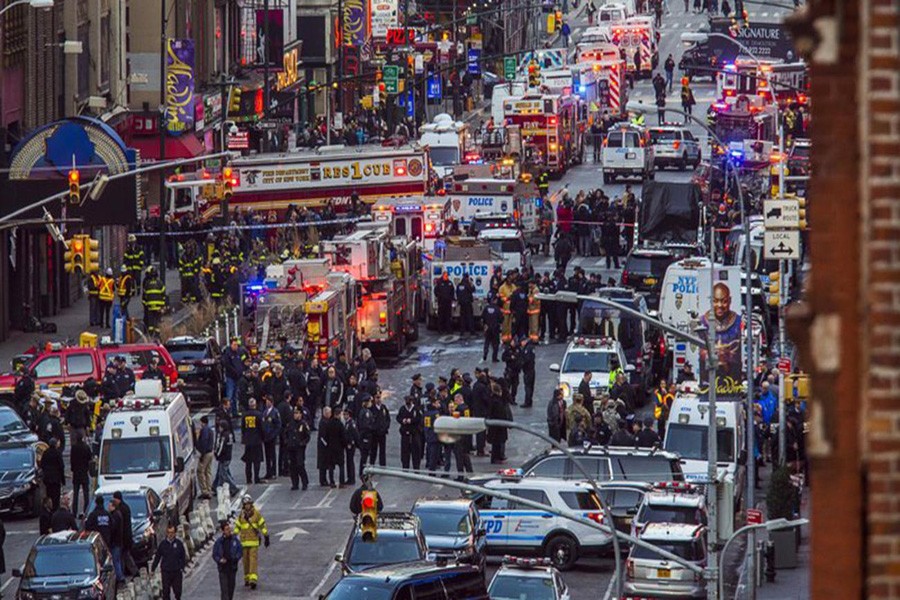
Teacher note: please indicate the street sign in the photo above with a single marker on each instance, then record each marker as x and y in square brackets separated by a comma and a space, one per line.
[391, 79]
[419, 63]
[509, 68]
[781, 214]
[784, 364]
[781, 245]
[754, 516]
[433, 88]
[474, 61]
[239, 141]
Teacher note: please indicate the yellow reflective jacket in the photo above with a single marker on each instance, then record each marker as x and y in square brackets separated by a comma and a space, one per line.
[250, 529]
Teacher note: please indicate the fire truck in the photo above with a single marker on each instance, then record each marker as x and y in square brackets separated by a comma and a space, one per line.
[749, 118]
[552, 129]
[304, 304]
[386, 271]
[421, 218]
[775, 82]
[637, 35]
[313, 179]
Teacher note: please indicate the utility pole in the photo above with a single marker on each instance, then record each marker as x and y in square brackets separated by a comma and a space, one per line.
[266, 100]
[712, 492]
[163, 201]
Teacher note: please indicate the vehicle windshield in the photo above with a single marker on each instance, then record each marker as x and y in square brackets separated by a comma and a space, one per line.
[10, 422]
[512, 246]
[598, 319]
[579, 362]
[16, 459]
[687, 515]
[510, 587]
[181, 352]
[134, 455]
[647, 468]
[56, 561]
[688, 550]
[663, 135]
[444, 522]
[648, 265]
[479, 224]
[388, 550]
[444, 156]
[363, 588]
[691, 443]
[137, 502]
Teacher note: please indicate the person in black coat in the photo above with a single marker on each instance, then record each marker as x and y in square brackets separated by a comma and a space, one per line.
[296, 438]
[646, 437]
[409, 417]
[556, 416]
[54, 471]
[329, 447]
[117, 541]
[63, 519]
[382, 426]
[124, 511]
[584, 388]
[171, 557]
[444, 295]
[78, 414]
[512, 358]
[465, 298]
[45, 517]
[496, 436]
[251, 437]
[480, 405]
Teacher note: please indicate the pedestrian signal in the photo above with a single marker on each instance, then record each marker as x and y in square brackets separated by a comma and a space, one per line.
[91, 255]
[368, 518]
[74, 187]
[73, 257]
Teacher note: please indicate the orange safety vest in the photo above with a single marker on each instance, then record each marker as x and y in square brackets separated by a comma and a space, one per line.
[123, 285]
[106, 289]
[94, 284]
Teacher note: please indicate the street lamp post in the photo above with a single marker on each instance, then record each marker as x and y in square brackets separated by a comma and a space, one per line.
[31, 3]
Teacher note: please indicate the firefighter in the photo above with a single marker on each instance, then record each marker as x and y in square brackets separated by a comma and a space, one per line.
[534, 310]
[443, 293]
[215, 281]
[154, 300]
[212, 247]
[133, 260]
[93, 299]
[185, 270]
[465, 297]
[251, 526]
[106, 293]
[125, 289]
[505, 293]
[543, 183]
[490, 319]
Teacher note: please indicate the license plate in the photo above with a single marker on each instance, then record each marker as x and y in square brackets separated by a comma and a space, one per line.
[649, 281]
[664, 573]
[184, 368]
[630, 155]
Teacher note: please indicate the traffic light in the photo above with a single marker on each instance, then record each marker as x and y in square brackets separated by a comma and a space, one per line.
[368, 517]
[234, 107]
[91, 255]
[74, 255]
[74, 187]
[801, 202]
[228, 181]
[534, 74]
[774, 288]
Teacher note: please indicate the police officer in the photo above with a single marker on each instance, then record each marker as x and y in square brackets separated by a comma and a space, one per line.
[251, 436]
[133, 259]
[296, 438]
[512, 358]
[125, 289]
[518, 307]
[417, 390]
[465, 297]
[93, 299]
[409, 417]
[491, 318]
[444, 293]
[432, 445]
[547, 328]
[154, 300]
[367, 424]
[526, 353]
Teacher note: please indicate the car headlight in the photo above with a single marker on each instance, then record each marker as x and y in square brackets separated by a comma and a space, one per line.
[90, 592]
[25, 595]
[566, 390]
[466, 551]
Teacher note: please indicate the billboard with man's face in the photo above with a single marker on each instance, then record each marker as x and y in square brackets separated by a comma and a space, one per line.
[726, 321]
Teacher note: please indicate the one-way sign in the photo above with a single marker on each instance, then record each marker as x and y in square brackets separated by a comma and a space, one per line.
[781, 245]
[781, 214]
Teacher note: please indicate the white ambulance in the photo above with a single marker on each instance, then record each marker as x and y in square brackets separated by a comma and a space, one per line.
[148, 440]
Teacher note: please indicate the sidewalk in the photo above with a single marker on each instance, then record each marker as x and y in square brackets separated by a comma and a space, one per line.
[789, 584]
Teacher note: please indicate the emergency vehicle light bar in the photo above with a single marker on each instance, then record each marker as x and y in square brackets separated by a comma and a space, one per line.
[526, 562]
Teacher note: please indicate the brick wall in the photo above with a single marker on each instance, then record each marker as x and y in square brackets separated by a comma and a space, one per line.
[880, 79]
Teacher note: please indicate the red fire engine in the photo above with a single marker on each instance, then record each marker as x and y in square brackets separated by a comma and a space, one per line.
[552, 129]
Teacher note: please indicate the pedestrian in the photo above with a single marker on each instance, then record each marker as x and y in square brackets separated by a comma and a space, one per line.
[223, 450]
[366, 425]
[513, 361]
[78, 415]
[576, 408]
[661, 406]
[329, 447]
[251, 437]
[251, 528]
[54, 471]
[99, 520]
[62, 518]
[205, 447]
[444, 295]
[462, 446]
[382, 426]
[409, 418]
[124, 512]
[556, 416]
[496, 436]
[660, 108]
[622, 437]
[233, 365]
[481, 394]
[669, 67]
[687, 98]
[171, 559]
[227, 554]
[465, 299]
[351, 443]
[297, 436]
[45, 517]
[647, 438]
[432, 444]
[271, 431]
[116, 541]
[527, 361]
[491, 318]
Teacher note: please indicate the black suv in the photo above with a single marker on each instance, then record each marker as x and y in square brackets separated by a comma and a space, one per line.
[452, 529]
[610, 463]
[399, 540]
[20, 486]
[419, 579]
[644, 272]
[199, 363]
[70, 564]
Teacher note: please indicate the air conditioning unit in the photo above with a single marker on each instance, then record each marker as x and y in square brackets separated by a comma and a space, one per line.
[70, 47]
[97, 102]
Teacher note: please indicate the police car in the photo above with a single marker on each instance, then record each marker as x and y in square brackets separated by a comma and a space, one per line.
[589, 353]
[671, 502]
[647, 574]
[532, 578]
[513, 527]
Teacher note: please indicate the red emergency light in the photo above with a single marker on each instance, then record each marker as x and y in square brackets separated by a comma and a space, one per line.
[553, 120]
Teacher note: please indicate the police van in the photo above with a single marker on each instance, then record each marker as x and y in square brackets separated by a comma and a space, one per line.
[686, 435]
[627, 151]
[148, 441]
[510, 245]
[517, 528]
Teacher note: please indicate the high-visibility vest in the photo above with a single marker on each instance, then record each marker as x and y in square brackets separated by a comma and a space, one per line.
[106, 292]
[662, 404]
[94, 284]
[124, 285]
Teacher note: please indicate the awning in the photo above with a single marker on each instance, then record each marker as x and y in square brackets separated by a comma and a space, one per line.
[183, 146]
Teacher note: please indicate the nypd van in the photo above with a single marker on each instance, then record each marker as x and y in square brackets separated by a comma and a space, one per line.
[148, 441]
[516, 528]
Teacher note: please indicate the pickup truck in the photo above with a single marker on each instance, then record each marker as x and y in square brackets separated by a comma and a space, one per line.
[59, 366]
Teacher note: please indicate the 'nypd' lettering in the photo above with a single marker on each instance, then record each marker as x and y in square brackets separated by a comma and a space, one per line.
[686, 284]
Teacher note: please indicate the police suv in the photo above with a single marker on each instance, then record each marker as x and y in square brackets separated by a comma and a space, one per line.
[513, 527]
[532, 578]
[589, 353]
[671, 502]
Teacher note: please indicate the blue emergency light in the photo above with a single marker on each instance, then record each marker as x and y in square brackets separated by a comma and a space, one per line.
[582, 89]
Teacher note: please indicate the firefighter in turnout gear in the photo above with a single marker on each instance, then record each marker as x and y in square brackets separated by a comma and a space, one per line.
[543, 183]
[189, 270]
[154, 299]
[534, 312]
[505, 292]
[215, 281]
[125, 290]
[133, 259]
[251, 529]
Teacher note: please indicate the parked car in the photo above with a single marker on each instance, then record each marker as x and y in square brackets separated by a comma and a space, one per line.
[452, 528]
[145, 514]
[644, 271]
[200, 370]
[20, 484]
[69, 564]
[399, 540]
[13, 428]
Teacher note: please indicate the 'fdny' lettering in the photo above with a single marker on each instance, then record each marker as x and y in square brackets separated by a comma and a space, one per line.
[686, 284]
[481, 201]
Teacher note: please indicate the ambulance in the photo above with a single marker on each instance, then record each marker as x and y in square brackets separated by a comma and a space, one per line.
[637, 35]
[147, 440]
[479, 204]
[609, 74]
[421, 218]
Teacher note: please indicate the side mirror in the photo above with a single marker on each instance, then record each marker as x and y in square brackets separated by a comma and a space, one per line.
[17, 573]
[629, 368]
[179, 465]
[339, 557]
[554, 367]
[632, 511]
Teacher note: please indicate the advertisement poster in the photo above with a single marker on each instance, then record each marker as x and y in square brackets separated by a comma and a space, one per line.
[275, 39]
[383, 15]
[179, 86]
[355, 24]
[727, 323]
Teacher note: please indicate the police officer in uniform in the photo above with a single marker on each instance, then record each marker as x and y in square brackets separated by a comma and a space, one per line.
[512, 358]
[133, 259]
[518, 306]
[491, 318]
[527, 358]
[443, 293]
[409, 417]
[154, 300]
[367, 424]
[432, 445]
[465, 297]
[547, 329]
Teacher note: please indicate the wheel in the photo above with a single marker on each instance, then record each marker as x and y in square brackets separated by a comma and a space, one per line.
[682, 164]
[562, 551]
